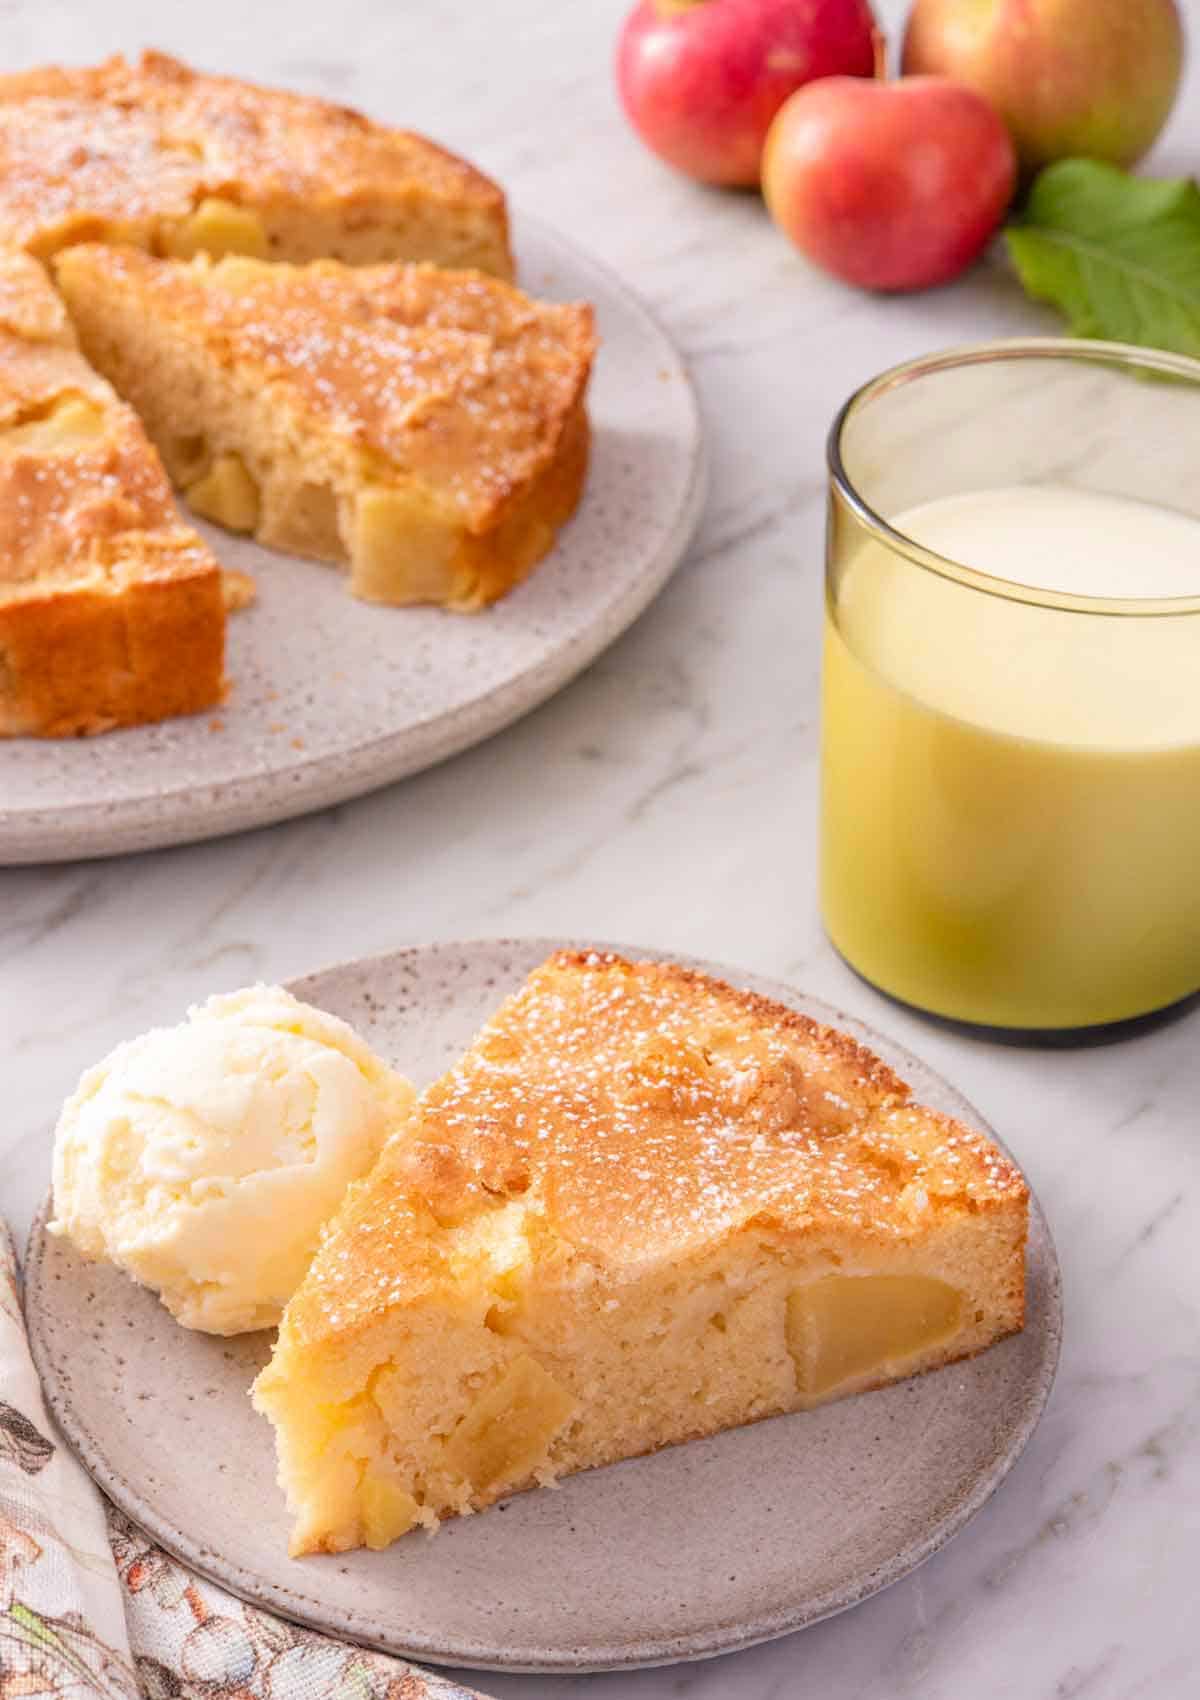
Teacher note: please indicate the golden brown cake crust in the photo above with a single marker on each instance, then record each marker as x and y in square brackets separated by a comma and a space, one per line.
[126, 151]
[111, 611]
[650, 1111]
[88, 657]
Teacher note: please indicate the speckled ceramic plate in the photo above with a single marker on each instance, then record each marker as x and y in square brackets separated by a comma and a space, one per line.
[333, 697]
[697, 1550]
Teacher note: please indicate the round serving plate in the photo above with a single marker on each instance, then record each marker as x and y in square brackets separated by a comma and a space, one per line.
[697, 1550]
[333, 697]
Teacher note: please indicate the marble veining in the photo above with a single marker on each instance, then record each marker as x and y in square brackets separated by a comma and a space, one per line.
[669, 796]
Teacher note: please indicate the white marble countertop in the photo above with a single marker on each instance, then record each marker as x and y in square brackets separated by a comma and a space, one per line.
[669, 798]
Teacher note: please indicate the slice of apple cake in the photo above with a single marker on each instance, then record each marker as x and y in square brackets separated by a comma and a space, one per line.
[643, 1207]
[425, 426]
[112, 611]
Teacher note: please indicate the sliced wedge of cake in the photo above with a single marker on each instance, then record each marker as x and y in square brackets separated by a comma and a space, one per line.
[177, 162]
[112, 611]
[425, 426]
[643, 1207]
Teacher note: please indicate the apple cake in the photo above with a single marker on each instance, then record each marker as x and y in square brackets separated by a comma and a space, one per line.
[643, 1207]
[112, 612]
[425, 426]
[177, 162]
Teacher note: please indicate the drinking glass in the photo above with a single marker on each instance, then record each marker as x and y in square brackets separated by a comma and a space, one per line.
[1010, 808]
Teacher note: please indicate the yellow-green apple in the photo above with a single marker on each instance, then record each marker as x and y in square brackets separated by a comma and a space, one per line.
[701, 80]
[888, 185]
[1094, 77]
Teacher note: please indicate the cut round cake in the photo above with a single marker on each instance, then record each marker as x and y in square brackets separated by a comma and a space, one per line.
[644, 1207]
[423, 425]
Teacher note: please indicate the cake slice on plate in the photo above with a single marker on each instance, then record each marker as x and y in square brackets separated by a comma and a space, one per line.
[155, 154]
[112, 611]
[643, 1207]
[425, 426]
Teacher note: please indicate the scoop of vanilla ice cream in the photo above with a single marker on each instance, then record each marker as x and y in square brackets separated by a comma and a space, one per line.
[204, 1159]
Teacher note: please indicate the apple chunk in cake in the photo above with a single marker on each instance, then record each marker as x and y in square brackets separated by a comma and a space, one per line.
[643, 1207]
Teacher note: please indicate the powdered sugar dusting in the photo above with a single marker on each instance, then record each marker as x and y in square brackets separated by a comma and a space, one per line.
[629, 1103]
[403, 370]
[139, 143]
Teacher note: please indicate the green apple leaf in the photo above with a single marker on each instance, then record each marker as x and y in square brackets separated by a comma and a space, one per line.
[1119, 255]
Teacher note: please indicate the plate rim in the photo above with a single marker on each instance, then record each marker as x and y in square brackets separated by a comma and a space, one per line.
[361, 1627]
[34, 835]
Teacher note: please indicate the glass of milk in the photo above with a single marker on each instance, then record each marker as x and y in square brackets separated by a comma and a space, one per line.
[1011, 695]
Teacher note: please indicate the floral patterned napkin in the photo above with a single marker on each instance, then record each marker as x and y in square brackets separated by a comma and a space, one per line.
[89, 1607]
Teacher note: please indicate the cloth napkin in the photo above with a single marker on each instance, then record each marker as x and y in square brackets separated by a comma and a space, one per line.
[90, 1607]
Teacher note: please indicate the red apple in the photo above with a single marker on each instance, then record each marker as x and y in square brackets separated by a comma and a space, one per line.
[701, 80]
[889, 185]
[1096, 77]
